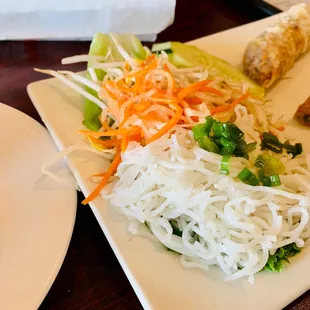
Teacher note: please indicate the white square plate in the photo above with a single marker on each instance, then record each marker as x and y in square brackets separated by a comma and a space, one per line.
[156, 274]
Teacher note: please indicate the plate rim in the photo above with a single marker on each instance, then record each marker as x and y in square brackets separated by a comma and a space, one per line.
[57, 263]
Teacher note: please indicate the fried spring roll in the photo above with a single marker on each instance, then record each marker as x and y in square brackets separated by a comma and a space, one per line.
[269, 56]
[303, 113]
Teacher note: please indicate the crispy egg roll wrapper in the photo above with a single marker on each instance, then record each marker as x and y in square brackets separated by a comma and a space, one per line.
[269, 56]
[303, 113]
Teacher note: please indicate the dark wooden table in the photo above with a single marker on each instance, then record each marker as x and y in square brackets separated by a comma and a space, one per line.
[91, 277]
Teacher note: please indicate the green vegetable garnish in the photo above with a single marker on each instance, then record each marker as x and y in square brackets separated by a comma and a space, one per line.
[207, 144]
[200, 131]
[293, 149]
[269, 164]
[251, 147]
[228, 146]
[277, 261]
[248, 177]
[208, 124]
[224, 164]
[231, 131]
[222, 138]
[272, 143]
[271, 180]
[217, 128]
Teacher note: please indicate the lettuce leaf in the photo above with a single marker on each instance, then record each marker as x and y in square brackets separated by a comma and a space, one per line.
[277, 261]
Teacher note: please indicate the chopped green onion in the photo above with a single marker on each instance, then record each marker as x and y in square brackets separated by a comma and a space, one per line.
[248, 177]
[293, 149]
[261, 174]
[231, 132]
[199, 131]
[271, 142]
[217, 129]
[269, 164]
[260, 161]
[208, 145]
[271, 180]
[298, 147]
[208, 124]
[251, 147]
[270, 138]
[241, 149]
[224, 164]
[228, 146]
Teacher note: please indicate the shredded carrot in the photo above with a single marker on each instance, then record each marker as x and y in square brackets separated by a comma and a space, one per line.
[124, 144]
[110, 171]
[211, 90]
[224, 108]
[126, 67]
[111, 142]
[281, 128]
[111, 133]
[193, 100]
[170, 124]
[142, 105]
[192, 88]
[105, 126]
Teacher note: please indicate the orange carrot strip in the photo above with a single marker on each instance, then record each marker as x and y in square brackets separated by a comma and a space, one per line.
[224, 108]
[193, 100]
[165, 100]
[124, 144]
[112, 142]
[143, 105]
[110, 133]
[194, 87]
[211, 90]
[105, 126]
[281, 128]
[111, 170]
[170, 124]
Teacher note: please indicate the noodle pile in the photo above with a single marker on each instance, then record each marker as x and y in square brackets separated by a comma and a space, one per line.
[173, 184]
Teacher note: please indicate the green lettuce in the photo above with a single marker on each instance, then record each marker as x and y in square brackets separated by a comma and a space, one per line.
[277, 261]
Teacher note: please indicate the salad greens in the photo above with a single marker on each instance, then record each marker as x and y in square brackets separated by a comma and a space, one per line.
[277, 261]
[102, 45]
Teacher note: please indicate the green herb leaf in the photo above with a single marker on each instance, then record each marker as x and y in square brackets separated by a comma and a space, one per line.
[277, 261]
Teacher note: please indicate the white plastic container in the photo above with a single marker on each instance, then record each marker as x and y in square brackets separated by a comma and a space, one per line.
[80, 19]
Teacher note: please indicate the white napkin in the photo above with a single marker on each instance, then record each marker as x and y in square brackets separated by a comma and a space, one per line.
[80, 19]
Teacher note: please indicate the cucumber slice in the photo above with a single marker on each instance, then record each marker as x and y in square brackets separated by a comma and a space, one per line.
[158, 47]
[185, 55]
